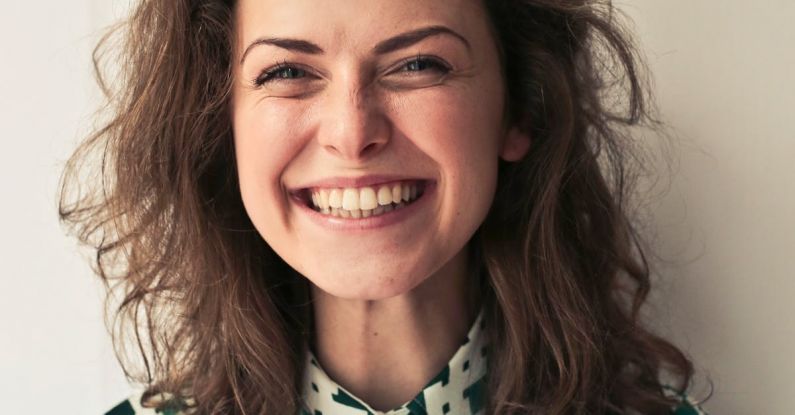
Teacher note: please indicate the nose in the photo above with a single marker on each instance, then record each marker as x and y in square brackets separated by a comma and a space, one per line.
[354, 125]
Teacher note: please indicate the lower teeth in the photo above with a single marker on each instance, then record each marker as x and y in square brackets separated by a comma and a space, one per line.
[356, 214]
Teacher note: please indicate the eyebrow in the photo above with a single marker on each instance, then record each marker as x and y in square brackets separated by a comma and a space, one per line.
[392, 44]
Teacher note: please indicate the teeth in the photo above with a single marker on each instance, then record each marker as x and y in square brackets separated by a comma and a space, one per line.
[363, 202]
[384, 196]
[397, 193]
[323, 197]
[367, 199]
[335, 198]
[350, 199]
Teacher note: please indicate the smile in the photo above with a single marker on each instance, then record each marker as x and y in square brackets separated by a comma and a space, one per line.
[365, 201]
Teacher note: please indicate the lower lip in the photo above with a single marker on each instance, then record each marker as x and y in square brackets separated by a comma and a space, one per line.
[373, 222]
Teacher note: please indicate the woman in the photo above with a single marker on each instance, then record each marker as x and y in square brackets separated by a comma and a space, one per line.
[363, 206]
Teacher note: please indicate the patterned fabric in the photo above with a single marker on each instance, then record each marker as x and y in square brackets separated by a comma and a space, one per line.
[688, 407]
[458, 389]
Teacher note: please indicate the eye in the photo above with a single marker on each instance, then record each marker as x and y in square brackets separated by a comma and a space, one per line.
[424, 64]
[417, 72]
[281, 72]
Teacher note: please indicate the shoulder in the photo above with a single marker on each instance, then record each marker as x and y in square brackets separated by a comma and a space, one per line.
[132, 406]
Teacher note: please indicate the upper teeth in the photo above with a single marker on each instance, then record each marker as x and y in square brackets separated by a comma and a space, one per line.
[363, 198]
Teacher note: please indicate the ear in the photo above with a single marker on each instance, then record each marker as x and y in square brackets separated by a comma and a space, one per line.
[515, 145]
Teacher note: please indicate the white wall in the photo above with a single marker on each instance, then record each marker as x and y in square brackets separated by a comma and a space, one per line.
[724, 74]
[54, 354]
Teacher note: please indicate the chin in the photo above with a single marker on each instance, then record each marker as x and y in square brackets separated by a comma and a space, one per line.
[351, 286]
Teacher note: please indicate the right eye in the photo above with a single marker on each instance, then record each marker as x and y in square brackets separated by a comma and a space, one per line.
[288, 80]
[281, 72]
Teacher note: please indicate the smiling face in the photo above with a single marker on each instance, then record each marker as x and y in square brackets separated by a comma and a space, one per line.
[340, 105]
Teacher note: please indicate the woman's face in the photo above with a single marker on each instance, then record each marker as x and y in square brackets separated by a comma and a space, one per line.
[342, 109]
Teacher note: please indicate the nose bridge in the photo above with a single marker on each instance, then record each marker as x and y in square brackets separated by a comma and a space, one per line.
[354, 123]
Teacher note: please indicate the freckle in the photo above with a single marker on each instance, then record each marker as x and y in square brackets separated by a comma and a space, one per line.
[375, 333]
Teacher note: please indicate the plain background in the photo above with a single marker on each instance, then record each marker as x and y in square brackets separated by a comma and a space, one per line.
[724, 82]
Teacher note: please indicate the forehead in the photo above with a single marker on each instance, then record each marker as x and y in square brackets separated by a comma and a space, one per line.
[338, 24]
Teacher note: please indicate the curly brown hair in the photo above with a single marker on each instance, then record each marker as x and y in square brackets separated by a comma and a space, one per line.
[221, 323]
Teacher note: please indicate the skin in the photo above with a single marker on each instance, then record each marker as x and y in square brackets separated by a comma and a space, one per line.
[350, 112]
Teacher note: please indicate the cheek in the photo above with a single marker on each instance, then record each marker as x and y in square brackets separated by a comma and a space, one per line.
[458, 128]
[263, 149]
[266, 133]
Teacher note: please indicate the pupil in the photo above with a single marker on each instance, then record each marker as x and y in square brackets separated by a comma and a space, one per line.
[417, 65]
[290, 73]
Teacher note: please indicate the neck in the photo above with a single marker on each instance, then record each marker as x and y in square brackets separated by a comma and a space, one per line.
[385, 351]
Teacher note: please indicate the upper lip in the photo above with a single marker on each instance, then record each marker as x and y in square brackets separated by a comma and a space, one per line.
[361, 181]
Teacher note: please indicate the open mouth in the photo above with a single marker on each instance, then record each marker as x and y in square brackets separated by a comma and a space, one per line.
[363, 202]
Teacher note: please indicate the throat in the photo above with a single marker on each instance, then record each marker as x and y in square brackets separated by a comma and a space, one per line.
[386, 351]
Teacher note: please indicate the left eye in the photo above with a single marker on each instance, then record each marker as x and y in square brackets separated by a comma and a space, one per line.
[289, 73]
[422, 64]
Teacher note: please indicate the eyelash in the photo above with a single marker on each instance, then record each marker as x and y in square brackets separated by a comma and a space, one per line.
[274, 72]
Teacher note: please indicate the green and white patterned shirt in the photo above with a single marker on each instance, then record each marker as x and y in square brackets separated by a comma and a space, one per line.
[457, 390]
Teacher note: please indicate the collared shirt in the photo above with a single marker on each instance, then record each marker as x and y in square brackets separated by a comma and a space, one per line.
[457, 389]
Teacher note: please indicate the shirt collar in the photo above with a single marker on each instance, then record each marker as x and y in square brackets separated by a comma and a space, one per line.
[458, 389]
